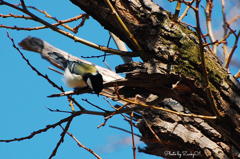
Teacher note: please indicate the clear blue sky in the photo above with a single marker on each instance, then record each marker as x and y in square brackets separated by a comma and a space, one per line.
[24, 94]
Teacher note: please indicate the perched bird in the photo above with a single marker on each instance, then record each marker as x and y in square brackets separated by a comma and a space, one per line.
[78, 74]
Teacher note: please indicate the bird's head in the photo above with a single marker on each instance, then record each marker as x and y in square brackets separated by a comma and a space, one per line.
[95, 81]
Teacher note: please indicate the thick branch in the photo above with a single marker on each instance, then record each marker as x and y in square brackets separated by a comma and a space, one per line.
[175, 53]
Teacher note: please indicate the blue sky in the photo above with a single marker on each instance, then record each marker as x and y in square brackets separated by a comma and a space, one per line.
[24, 94]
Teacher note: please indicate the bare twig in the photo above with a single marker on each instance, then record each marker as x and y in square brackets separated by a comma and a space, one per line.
[237, 75]
[84, 18]
[208, 14]
[153, 132]
[223, 40]
[61, 139]
[57, 110]
[71, 104]
[185, 12]
[96, 56]
[234, 19]
[55, 70]
[15, 16]
[81, 145]
[124, 130]
[95, 105]
[188, 3]
[44, 129]
[209, 92]
[116, 109]
[131, 123]
[59, 22]
[106, 119]
[234, 46]
[121, 46]
[23, 4]
[163, 109]
[75, 38]
[177, 10]
[225, 50]
[144, 56]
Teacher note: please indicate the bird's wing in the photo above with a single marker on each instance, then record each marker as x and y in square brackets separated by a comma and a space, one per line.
[81, 68]
[60, 59]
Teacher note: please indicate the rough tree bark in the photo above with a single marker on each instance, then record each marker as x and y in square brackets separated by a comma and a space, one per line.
[174, 52]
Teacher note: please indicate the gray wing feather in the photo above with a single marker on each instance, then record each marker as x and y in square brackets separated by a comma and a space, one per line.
[60, 59]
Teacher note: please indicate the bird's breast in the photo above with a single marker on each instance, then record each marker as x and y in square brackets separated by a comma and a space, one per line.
[73, 80]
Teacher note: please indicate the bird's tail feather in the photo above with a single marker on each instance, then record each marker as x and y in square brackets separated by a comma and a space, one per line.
[61, 60]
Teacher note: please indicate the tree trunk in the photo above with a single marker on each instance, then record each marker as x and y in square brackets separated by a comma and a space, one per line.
[174, 74]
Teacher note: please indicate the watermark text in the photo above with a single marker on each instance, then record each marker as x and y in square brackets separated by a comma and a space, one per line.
[181, 154]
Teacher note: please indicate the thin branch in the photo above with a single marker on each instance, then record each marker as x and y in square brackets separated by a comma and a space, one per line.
[44, 129]
[110, 116]
[207, 44]
[26, 28]
[71, 104]
[144, 56]
[108, 66]
[185, 11]
[75, 38]
[61, 139]
[96, 56]
[209, 92]
[116, 109]
[74, 114]
[84, 18]
[234, 19]
[121, 46]
[223, 40]
[163, 109]
[15, 16]
[208, 14]
[237, 74]
[81, 145]
[23, 4]
[233, 49]
[57, 110]
[205, 40]
[124, 130]
[225, 50]
[131, 123]
[55, 70]
[153, 131]
[109, 39]
[95, 105]
[61, 22]
[125, 110]
[188, 3]
[177, 10]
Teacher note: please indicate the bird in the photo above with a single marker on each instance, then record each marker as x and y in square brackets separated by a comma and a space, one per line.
[79, 74]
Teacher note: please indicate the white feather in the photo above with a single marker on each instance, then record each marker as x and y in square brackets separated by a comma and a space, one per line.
[89, 83]
[73, 80]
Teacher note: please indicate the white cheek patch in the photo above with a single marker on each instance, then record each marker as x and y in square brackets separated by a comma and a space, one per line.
[89, 83]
